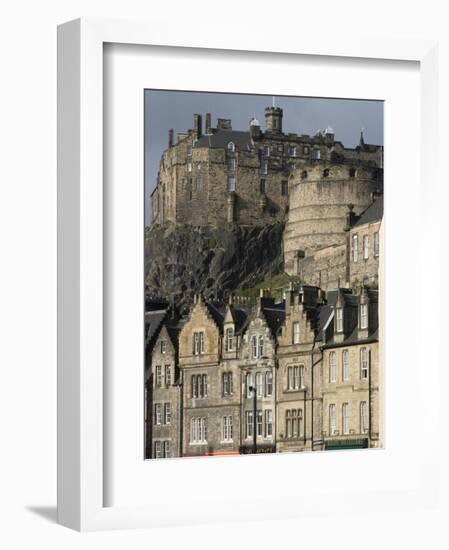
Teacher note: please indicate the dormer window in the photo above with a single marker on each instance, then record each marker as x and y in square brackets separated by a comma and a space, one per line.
[163, 346]
[231, 147]
[229, 339]
[198, 343]
[364, 316]
[339, 319]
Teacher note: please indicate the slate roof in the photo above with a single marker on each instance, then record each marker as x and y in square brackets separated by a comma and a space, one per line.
[221, 138]
[153, 322]
[372, 214]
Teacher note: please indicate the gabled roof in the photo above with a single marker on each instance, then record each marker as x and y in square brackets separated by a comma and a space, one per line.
[372, 214]
[221, 138]
[153, 323]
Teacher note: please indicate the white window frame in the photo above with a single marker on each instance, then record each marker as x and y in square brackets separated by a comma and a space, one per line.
[332, 419]
[261, 344]
[354, 247]
[268, 383]
[167, 444]
[345, 418]
[158, 376]
[249, 424]
[364, 422]
[230, 184]
[376, 244]
[364, 363]
[226, 426]
[339, 314]
[345, 365]
[167, 413]
[157, 449]
[249, 383]
[254, 347]
[296, 327]
[365, 247]
[157, 414]
[259, 423]
[268, 423]
[364, 316]
[229, 339]
[332, 367]
[167, 375]
[259, 384]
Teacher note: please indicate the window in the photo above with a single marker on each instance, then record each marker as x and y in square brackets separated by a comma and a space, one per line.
[363, 417]
[231, 183]
[264, 167]
[339, 315]
[158, 376]
[326, 173]
[259, 424]
[189, 166]
[227, 383]
[316, 154]
[259, 384]
[227, 428]
[199, 183]
[189, 151]
[301, 376]
[167, 449]
[352, 172]
[292, 151]
[363, 364]
[261, 343]
[365, 247]
[354, 248]
[198, 388]
[295, 332]
[229, 339]
[157, 449]
[249, 424]
[266, 150]
[268, 428]
[304, 174]
[293, 423]
[198, 343]
[305, 150]
[249, 384]
[262, 186]
[198, 430]
[163, 346]
[167, 375]
[231, 164]
[254, 346]
[268, 383]
[332, 367]
[295, 377]
[345, 361]
[376, 244]
[231, 147]
[364, 316]
[167, 413]
[332, 420]
[345, 417]
[158, 413]
[284, 188]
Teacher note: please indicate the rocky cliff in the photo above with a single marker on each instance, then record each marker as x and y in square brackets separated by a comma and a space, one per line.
[181, 260]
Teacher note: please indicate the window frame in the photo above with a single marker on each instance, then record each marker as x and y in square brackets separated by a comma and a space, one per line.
[332, 367]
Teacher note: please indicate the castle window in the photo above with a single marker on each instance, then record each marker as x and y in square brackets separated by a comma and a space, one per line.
[332, 367]
[249, 424]
[295, 332]
[231, 183]
[305, 150]
[364, 316]
[158, 414]
[261, 343]
[295, 377]
[345, 361]
[259, 384]
[284, 188]
[264, 167]
[280, 148]
[249, 384]
[316, 154]
[254, 346]
[231, 147]
[266, 150]
[198, 388]
[292, 151]
[332, 419]
[363, 417]
[268, 383]
[304, 174]
[365, 247]
[262, 186]
[198, 430]
[345, 417]
[352, 172]
[231, 163]
[376, 244]
[326, 173]
[167, 375]
[355, 248]
[339, 318]
[163, 346]
[259, 423]
[229, 339]
[363, 364]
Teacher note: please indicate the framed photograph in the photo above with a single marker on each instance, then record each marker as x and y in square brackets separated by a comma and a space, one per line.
[232, 298]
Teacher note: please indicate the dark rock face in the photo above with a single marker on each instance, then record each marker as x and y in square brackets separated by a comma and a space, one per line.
[181, 260]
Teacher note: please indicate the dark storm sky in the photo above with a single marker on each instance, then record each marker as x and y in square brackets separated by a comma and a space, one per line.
[302, 115]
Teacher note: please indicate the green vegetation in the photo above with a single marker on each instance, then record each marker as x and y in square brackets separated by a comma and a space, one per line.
[274, 284]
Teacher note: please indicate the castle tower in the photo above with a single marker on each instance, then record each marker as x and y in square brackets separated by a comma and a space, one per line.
[273, 120]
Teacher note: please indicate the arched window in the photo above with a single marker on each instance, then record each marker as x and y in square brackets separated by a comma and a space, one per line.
[326, 173]
[231, 147]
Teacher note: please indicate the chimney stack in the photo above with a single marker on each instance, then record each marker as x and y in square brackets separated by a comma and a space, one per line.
[197, 125]
[170, 138]
[208, 123]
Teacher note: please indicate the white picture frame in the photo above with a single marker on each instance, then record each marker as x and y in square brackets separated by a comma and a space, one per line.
[81, 341]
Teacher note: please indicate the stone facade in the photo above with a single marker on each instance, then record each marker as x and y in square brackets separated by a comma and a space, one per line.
[270, 376]
[245, 177]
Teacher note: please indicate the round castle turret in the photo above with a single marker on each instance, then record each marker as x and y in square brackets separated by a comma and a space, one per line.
[319, 200]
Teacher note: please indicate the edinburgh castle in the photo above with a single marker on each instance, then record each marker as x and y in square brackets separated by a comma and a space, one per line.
[262, 292]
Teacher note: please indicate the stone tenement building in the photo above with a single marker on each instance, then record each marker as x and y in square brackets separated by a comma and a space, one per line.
[301, 374]
[224, 175]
